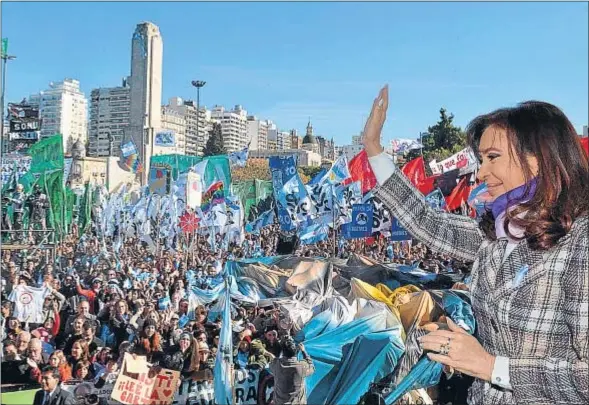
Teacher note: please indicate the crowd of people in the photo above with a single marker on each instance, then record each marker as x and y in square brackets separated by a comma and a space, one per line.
[94, 307]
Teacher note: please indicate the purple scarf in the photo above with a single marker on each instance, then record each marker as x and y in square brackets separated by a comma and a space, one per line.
[513, 197]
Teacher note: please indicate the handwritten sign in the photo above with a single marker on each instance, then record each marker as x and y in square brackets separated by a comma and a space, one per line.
[145, 388]
[461, 159]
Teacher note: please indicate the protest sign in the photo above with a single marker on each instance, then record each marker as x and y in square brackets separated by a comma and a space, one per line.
[460, 159]
[145, 388]
[398, 233]
[362, 221]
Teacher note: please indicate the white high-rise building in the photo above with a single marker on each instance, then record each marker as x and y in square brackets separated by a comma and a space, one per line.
[146, 90]
[174, 121]
[109, 118]
[279, 140]
[63, 110]
[195, 140]
[233, 127]
[585, 131]
[257, 133]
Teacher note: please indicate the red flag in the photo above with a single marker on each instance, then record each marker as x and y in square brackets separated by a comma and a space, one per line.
[415, 172]
[361, 171]
[427, 185]
[585, 145]
[458, 196]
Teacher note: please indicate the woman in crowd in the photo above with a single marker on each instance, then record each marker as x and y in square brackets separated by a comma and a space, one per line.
[148, 342]
[119, 321]
[530, 278]
[184, 356]
[58, 360]
[80, 351]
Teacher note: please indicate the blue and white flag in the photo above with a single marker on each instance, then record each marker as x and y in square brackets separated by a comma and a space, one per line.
[436, 200]
[295, 198]
[405, 145]
[382, 220]
[314, 234]
[223, 371]
[339, 171]
[283, 169]
[321, 196]
[265, 219]
[345, 197]
[239, 159]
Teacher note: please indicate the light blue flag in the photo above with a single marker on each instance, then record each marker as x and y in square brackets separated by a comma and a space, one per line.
[314, 234]
[339, 171]
[223, 378]
[265, 219]
[239, 159]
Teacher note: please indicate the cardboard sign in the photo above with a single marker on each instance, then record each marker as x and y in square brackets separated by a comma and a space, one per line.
[144, 388]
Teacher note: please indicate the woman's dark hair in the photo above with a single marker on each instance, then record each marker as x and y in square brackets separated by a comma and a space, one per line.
[541, 130]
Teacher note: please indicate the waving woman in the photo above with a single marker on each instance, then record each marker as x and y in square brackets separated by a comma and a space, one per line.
[530, 284]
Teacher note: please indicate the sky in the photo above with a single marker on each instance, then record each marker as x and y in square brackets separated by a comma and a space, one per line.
[289, 62]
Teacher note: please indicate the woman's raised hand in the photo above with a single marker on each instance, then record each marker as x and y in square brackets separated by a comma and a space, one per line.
[375, 122]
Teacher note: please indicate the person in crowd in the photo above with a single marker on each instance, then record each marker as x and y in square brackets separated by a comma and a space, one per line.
[242, 353]
[76, 334]
[149, 342]
[271, 342]
[89, 333]
[119, 321]
[83, 310]
[22, 342]
[290, 373]
[51, 393]
[184, 356]
[530, 278]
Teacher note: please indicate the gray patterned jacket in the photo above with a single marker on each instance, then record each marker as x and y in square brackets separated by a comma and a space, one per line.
[540, 322]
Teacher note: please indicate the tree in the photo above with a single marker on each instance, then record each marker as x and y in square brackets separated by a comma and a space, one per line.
[443, 140]
[309, 171]
[254, 169]
[215, 144]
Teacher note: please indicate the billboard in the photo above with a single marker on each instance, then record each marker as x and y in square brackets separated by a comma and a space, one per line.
[24, 124]
[165, 138]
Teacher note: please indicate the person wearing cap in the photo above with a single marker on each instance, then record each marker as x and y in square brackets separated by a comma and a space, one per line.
[90, 294]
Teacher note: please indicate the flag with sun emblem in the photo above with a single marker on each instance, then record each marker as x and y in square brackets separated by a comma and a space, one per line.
[339, 171]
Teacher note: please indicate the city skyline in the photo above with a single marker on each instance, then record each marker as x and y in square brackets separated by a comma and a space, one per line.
[306, 70]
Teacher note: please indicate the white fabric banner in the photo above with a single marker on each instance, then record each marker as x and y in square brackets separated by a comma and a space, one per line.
[461, 159]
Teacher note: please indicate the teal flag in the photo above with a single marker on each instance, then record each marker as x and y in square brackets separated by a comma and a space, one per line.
[4, 47]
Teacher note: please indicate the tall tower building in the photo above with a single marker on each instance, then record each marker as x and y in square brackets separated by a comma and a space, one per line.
[146, 91]
[109, 119]
[63, 110]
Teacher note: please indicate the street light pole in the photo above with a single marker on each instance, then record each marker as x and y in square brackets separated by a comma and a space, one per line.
[5, 58]
[198, 84]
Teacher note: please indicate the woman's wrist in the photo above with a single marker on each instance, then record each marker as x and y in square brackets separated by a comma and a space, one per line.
[373, 149]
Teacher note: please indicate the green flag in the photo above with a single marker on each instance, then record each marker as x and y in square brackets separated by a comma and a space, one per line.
[4, 47]
[85, 216]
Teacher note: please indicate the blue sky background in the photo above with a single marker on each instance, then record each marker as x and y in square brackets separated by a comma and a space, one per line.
[289, 61]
